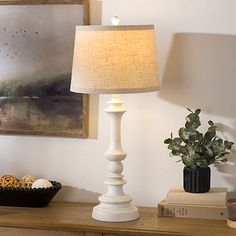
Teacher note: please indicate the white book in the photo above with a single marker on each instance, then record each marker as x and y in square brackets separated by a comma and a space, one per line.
[191, 211]
[215, 197]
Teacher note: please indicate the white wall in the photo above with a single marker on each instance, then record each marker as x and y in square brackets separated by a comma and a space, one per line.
[196, 70]
[197, 51]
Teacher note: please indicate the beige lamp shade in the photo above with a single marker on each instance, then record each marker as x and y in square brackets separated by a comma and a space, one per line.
[114, 59]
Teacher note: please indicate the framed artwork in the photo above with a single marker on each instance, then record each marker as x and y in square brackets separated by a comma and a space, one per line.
[36, 52]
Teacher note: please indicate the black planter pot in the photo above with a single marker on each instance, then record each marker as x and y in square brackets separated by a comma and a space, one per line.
[197, 180]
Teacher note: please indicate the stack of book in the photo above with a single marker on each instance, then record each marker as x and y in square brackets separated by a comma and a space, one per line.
[210, 205]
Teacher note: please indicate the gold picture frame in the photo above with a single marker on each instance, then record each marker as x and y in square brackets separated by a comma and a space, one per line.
[36, 55]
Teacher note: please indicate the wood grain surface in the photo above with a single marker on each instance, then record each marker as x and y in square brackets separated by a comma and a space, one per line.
[36, 2]
[72, 217]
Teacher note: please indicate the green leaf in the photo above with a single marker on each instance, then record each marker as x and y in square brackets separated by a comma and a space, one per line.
[214, 143]
[170, 146]
[174, 146]
[212, 129]
[211, 123]
[199, 136]
[176, 152]
[196, 156]
[202, 163]
[192, 117]
[167, 141]
[208, 151]
[220, 141]
[190, 149]
[188, 161]
[193, 135]
[188, 125]
[209, 135]
[211, 160]
[228, 145]
[197, 111]
[196, 124]
[192, 121]
[217, 150]
[183, 150]
[198, 149]
[183, 134]
[177, 140]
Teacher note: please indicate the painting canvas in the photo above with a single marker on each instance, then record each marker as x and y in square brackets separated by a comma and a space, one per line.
[36, 52]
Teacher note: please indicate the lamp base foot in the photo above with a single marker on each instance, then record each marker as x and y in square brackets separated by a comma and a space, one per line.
[115, 214]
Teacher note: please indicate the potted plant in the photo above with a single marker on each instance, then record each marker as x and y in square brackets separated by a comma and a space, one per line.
[197, 151]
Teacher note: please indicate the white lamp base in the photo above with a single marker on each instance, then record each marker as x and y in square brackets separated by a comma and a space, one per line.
[115, 205]
[120, 214]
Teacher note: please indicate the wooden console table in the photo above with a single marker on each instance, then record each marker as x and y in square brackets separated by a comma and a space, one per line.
[71, 219]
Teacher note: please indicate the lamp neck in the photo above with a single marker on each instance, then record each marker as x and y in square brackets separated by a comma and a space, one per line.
[115, 105]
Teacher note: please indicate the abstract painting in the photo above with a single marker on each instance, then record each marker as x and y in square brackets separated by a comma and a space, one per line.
[36, 52]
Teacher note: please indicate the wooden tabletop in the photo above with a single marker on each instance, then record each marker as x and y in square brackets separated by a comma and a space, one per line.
[77, 217]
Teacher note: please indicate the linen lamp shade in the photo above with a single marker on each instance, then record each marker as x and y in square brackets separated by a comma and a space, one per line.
[114, 59]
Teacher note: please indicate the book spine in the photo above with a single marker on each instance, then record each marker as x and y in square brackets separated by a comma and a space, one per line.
[198, 212]
[201, 199]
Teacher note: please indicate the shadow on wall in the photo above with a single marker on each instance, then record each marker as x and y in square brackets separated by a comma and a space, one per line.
[71, 194]
[201, 73]
[228, 169]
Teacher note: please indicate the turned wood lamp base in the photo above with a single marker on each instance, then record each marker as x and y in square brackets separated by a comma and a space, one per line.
[128, 213]
[115, 205]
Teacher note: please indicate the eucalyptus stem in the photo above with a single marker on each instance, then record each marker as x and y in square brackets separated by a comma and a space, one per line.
[198, 149]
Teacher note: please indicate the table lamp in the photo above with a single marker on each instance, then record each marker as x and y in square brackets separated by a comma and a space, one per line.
[114, 60]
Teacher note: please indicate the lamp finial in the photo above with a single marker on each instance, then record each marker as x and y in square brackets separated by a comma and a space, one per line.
[115, 20]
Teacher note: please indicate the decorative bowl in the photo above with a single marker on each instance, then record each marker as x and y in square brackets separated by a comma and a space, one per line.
[28, 197]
